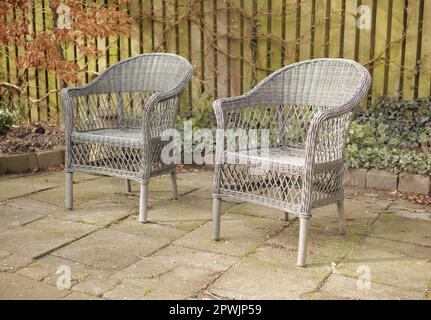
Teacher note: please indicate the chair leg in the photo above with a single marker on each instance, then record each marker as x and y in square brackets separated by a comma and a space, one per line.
[341, 217]
[174, 184]
[69, 190]
[128, 186]
[143, 202]
[303, 238]
[285, 216]
[216, 219]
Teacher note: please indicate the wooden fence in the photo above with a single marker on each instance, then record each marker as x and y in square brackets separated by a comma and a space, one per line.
[233, 44]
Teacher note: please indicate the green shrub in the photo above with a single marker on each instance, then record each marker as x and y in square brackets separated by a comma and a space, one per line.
[393, 134]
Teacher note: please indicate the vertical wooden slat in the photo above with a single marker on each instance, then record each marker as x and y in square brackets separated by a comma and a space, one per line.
[229, 48]
[342, 28]
[327, 27]
[410, 63]
[378, 50]
[388, 46]
[32, 73]
[418, 63]
[403, 47]
[298, 40]
[320, 30]
[136, 46]
[425, 75]
[248, 73]
[235, 23]
[202, 44]
[350, 31]
[215, 45]
[195, 56]
[189, 49]
[397, 32]
[41, 73]
[374, 11]
[276, 35]
[290, 26]
[335, 28]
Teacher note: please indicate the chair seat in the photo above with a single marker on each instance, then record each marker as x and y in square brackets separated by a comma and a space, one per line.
[116, 136]
[281, 158]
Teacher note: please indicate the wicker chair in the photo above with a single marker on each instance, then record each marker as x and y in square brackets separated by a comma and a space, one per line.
[114, 124]
[306, 109]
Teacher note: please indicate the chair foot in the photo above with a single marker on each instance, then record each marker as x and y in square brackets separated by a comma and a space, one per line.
[341, 217]
[174, 185]
[285, 216]
[304, 224]
[216, 219]
[69, 190]
[128, 186]
[143, 200]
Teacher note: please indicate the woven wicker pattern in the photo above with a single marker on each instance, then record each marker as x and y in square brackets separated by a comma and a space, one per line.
[306, 109]
[113, 124]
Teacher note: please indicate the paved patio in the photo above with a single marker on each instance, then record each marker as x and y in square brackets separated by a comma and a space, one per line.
[112, 256]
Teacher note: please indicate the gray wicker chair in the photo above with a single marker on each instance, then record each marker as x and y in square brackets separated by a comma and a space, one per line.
[114, 124]
[307, 109]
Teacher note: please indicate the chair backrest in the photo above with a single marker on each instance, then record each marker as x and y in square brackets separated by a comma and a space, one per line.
[117, 96]
[318, 82]
[144, 73]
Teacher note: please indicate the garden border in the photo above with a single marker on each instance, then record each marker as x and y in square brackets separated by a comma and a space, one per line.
[32, 161]
[388, 181]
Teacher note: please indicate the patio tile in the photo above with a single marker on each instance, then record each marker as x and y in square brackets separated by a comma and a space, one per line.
[256, 278]
[80, 296]
[110, 249]
[172, 257]
[254, 210]
[273, 266]
[324, 247]
[186, 213]
[13, 262]
[353, 209]
[202, 178]
[342, 287]
[49, 268]
[56, 196]
[97, 212]
[150, 229]
[21, 211]
[211, 261]
[390, 262]
[42, 236]
[240, 235]
[393, 227]
[179, 283]
[95, 285]
[20, 288]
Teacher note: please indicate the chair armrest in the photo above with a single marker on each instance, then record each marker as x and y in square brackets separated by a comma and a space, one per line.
[171, 99]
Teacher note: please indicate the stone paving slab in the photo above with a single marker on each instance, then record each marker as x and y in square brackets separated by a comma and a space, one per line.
[346, 288]
[110, 249]
[15, 186]
[42, 236]
[179, 283]
[397, 228]
[150, 229]
[408, 267]
[187, 213]
[239, 235]
[97, 212]
[17, 287]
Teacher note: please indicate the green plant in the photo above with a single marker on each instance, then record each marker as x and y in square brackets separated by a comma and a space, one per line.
[6, 120]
